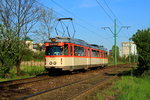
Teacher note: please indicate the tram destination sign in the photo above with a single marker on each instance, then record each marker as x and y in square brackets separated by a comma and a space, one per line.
[53, 44]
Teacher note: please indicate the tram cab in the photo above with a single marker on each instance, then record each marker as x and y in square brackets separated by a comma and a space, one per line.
[69, 54]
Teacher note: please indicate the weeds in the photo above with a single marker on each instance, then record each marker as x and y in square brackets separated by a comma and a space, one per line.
[32, 70]
[99, 97]
[129, 88]
[26, 72]
[133, 88]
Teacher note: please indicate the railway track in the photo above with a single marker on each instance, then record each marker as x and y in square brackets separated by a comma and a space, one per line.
[22, 81]
[94, 81]
[86, 91]
[36, 87]
[12, 83]
[51, 89]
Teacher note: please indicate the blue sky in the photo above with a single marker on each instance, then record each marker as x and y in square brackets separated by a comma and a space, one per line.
[89, 18]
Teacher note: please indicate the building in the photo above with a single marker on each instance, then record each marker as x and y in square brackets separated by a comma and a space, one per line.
[34, 46]
[38, 47]
[29, 42]
[128, 48]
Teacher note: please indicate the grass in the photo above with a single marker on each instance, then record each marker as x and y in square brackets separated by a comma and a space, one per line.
[132, 88]
[128, 88]
[32, 70]
[26, 72]
[111, 63]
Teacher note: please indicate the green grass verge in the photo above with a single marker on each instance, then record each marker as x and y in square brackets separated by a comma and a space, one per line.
[111, 63]
[128, 88]
[26, 72]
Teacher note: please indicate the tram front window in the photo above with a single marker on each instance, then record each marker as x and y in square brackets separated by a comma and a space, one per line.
[54, 50]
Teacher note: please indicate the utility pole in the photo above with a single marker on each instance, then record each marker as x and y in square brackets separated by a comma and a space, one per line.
[115, 33]
[115, 42]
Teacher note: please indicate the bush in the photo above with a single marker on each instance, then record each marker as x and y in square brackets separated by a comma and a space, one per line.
[29, 55]
[39, 55]
[5, 67]
[142, 41]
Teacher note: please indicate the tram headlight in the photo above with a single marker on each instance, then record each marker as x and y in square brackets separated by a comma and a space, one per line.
[54, 63]
[50, 63]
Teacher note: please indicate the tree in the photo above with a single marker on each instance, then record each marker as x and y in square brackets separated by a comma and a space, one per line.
[142, 41]
[46, 24]
[18, 16]
[7, 58]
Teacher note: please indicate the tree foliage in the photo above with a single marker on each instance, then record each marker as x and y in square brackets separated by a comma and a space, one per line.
[17, 17]
[142, 41]
[7, 58]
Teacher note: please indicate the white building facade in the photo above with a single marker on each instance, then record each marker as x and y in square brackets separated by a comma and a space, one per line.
[128, 48]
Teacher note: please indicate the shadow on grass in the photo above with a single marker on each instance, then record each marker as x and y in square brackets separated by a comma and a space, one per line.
[124, 73]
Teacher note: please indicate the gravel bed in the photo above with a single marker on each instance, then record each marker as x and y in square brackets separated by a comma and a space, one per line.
[26, 89]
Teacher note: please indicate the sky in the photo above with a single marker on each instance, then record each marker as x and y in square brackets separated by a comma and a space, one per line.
[89, 18]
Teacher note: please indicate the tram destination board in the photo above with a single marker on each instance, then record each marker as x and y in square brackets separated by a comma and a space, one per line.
[53, 44]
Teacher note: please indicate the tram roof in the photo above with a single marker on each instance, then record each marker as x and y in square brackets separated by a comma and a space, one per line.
[77, 41]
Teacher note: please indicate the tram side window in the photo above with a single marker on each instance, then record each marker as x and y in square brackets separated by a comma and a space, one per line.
[88, 52]
[66, 49]
[105, 54]
[71, 50]
[100, 54]
[79, 51]
[95, 53]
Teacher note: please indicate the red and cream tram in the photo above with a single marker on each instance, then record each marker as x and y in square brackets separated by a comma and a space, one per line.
[69, 54]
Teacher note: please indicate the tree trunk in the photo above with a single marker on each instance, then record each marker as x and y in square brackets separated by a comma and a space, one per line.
[18, 67]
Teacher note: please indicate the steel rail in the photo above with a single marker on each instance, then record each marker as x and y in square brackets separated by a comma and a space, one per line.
[101, 82]
[12, 83]
[51, 89]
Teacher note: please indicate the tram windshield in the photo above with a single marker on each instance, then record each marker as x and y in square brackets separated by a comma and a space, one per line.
[54, 50]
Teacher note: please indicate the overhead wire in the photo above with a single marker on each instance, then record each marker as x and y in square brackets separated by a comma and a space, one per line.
[84, 20]
[68, 12]
[75, 16]
[112, 11]
[104, 10]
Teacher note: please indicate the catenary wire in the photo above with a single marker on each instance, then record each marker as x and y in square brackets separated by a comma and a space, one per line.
[104, 10]
[76, 23]
[73, 14]
[64, 16]
[112, 12]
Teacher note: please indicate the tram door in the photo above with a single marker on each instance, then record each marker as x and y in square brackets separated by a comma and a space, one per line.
[72, 54]
[88, 58]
